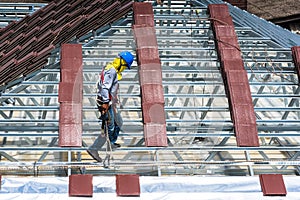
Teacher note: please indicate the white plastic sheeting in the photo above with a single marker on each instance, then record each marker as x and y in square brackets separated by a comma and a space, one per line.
[173, 187]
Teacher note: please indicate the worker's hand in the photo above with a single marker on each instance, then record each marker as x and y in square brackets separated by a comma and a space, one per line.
[104, 108]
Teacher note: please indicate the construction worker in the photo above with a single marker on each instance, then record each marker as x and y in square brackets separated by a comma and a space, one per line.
[106, 100]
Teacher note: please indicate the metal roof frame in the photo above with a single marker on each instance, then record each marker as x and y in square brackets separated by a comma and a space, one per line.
[199, 128]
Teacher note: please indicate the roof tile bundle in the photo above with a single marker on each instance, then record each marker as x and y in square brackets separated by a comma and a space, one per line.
[70, 96]
[36, 35]
[296, 60]
[235, 76]
[150, 74]
[128, 185]
[272, 184]
[81, 185]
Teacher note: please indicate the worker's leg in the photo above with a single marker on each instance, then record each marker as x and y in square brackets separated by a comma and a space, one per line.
[111, 124]
[98, 143]
[115, 134]
[96, 146]
[113, 128]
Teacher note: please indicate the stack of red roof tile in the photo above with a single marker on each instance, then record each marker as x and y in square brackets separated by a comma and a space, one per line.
[234, 76]
[150, 74]
[70, 96]
[296, 60]
[272, 185]
[25, 45]
[242, 4]
[128, 185]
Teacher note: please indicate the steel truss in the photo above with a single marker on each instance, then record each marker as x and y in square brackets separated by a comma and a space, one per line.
[199, 127]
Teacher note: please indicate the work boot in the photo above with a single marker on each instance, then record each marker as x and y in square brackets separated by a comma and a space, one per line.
[115, 145]
[94, 154]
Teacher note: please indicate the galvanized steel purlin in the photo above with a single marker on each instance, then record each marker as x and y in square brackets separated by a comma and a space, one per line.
[234, 76]
[26, 44]
[150, 75]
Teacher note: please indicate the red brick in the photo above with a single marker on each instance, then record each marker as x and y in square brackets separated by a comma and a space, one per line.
[153, 113]
[128, 185]
[272, 185]
[155, 135]
[81, 185]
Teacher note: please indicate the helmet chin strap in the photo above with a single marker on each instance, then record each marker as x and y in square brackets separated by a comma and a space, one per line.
[120, 65]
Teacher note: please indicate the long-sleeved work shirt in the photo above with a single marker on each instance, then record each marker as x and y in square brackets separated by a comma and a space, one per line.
[108, 84]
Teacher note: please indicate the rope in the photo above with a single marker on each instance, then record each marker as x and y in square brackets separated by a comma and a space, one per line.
[269, 61]
[108, 149]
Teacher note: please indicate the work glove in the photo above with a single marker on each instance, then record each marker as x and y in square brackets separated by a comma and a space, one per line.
[103, 110]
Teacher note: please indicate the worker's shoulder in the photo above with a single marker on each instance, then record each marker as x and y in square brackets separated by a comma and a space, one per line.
[110, 69]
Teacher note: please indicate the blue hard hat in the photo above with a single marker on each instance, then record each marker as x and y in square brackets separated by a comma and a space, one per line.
[128, 57]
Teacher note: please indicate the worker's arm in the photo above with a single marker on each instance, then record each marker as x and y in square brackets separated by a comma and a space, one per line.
[105, 89]
[105, 86]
